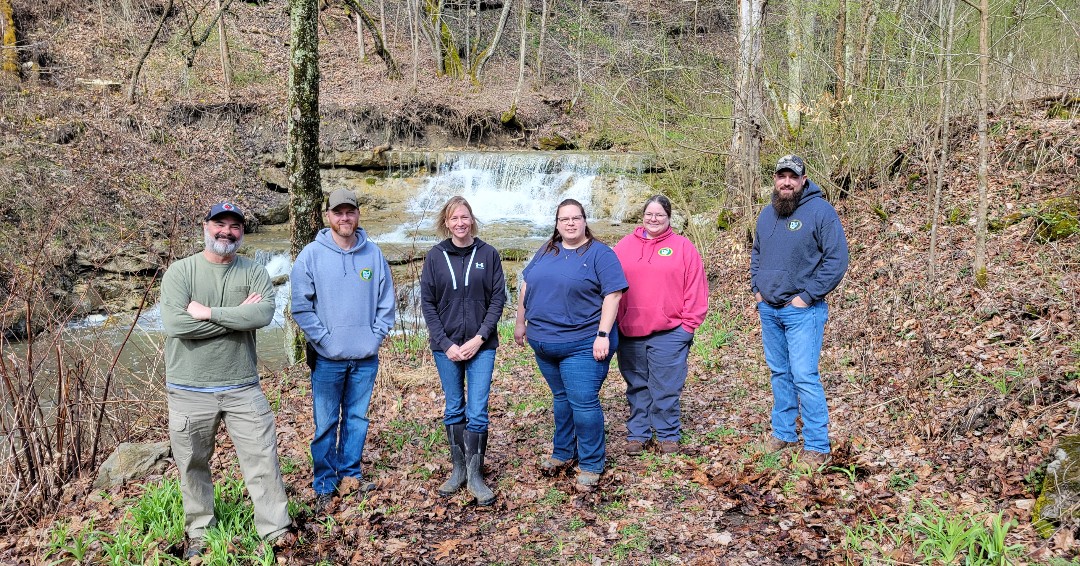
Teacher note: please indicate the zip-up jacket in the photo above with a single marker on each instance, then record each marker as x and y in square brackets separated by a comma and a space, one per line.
[805, 254]
[462, 294]
[667, 284]
[343, 300]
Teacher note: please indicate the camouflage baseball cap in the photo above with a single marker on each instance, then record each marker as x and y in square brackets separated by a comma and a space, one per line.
[792, 163]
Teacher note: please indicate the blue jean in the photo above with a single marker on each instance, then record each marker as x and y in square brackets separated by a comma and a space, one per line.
[654, 368]
[340, 392]
[575, 379]
[466, 386]
[792, 339]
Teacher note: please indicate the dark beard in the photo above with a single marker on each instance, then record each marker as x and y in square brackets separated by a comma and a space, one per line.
[784, 207]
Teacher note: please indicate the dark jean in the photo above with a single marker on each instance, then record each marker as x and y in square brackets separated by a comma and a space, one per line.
[575, 379]
[466, 386]
[340, 395]
[654, 368]
[792, 339]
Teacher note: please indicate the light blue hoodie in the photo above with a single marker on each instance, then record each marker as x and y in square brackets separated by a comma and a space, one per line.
[343, 300]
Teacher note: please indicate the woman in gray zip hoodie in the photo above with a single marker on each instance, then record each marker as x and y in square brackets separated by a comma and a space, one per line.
[462, 294]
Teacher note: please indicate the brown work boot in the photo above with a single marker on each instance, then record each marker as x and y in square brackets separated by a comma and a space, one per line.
[635, 447]
[774, 444]
[669, 447]
[810, 461]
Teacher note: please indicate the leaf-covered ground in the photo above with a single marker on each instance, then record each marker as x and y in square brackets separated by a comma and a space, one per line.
[946, 400]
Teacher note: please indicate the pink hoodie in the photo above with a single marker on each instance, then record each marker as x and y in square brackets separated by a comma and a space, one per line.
[667, 284]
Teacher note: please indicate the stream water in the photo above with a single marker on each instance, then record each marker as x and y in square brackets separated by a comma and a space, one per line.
[512, 194]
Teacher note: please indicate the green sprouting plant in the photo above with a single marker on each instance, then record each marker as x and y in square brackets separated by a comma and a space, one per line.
[945, 537]
[288, 465]
[159, 512]
[902, 480]
[553, 497]
[576, 523]
[872, 540]
[849, 471]
[633, 538]
[769, 461]
[66, 544]
[991, 545]
[719, 433]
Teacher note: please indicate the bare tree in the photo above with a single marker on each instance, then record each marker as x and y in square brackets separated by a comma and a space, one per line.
[984, 144]
[947, 18]
[540, 43]
[134, 79]
[226, 60]
[838, 49]
[748, 108]
[800, 30]
[392, 70]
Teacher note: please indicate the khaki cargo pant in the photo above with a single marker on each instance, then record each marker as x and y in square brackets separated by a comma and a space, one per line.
[193, 423]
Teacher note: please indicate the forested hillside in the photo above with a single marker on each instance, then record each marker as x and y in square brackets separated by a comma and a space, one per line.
[951, 358]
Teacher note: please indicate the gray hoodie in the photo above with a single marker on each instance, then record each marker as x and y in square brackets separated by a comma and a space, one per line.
[343, 300]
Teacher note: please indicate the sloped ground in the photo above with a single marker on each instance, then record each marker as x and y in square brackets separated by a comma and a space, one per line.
[938, 391]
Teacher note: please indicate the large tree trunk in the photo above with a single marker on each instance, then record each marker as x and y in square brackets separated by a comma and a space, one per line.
[838, 49]
[485, 54]
[742, 178]
[800, 31]
[984, 144]
[303, 150]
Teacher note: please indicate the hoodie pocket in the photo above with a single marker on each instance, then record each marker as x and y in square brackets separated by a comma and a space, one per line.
[352, 342]
[775, 286]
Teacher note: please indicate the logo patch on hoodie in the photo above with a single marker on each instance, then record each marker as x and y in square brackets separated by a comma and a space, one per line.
[479, 265]
[665, 252]
[365, 274]
[794, 225]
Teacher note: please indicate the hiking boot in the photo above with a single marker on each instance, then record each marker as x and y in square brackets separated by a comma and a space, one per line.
[551, 466]
[323, 501]
[455, 434]
[587, 481]
[475, 447]
[351, 485]
[774, 444]
[669, 447]
[635, 447]
[195, 548]
[810, 461]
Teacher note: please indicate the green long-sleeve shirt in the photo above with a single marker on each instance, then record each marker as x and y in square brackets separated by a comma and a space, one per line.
[220, 351]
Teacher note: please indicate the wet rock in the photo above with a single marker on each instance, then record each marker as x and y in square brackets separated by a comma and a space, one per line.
[1059, 500]
[130, 461]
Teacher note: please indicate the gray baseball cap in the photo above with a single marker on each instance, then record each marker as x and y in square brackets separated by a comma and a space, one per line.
[340, 197]
[792, 163]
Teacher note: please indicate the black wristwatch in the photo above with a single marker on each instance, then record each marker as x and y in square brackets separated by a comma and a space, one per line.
[601, 334]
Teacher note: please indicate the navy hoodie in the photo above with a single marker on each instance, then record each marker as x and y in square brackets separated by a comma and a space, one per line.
[462, 294]
[803, 255]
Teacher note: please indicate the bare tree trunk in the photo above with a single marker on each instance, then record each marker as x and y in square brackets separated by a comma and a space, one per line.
[540, 45]
[947, 19]
[521, 52]
[392, 70]
[800, 30]
[838, 49]
[414, 26]
[134, 79]
[869, 22]
[360, 38]
[748, 108]
[9, 57]
[484, 55]
[984, 143]
[226, 61]
[580, 55]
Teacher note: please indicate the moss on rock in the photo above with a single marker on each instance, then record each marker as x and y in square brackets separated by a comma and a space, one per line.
[1060, 495]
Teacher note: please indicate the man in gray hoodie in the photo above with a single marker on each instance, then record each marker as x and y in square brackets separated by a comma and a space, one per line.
[343, 300]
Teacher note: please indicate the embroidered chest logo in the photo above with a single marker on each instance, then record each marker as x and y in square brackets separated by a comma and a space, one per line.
[479, 265]
[365, 274]
[794, 225]
[664, 252]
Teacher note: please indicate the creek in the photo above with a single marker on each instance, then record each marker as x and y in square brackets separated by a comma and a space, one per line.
[513, 196]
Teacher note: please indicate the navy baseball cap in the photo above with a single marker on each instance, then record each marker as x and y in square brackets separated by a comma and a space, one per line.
[225, 208]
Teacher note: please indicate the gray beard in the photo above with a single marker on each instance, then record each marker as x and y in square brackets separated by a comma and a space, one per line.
[217, 247]
[785, 207]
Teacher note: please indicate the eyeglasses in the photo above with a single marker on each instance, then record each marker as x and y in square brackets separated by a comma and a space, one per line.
[656, 215]
[570, 219]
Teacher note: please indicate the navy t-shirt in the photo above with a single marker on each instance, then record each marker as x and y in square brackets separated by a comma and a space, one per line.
[564, 293]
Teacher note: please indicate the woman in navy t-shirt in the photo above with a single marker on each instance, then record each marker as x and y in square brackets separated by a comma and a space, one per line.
[567, 301]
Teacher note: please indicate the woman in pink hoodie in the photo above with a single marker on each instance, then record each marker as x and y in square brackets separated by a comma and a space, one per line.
[666, 302]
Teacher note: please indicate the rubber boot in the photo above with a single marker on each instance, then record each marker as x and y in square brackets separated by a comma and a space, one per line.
[475, 446]
[455, 435]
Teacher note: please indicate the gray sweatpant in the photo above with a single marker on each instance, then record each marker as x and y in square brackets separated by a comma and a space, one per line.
[654, 368]
[193, 423]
